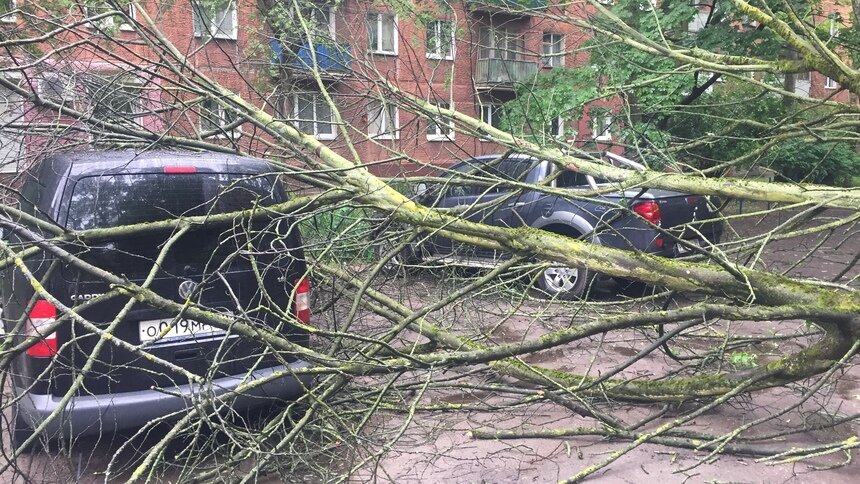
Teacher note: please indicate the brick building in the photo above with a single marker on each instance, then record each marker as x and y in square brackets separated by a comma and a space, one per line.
[470, 54]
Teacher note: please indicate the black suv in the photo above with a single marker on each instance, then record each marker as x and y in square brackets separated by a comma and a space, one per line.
[660, 222]
[253, 267]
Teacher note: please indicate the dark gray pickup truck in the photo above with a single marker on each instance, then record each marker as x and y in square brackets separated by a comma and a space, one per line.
[649, 220]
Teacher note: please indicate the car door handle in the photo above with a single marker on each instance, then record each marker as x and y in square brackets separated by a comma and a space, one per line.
[516, 205]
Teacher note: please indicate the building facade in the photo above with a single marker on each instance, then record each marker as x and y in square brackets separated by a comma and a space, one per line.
[325, 71]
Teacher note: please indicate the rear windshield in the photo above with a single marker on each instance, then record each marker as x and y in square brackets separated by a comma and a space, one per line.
[109, 201]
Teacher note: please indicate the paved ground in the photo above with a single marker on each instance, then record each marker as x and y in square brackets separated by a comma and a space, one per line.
[438, 447]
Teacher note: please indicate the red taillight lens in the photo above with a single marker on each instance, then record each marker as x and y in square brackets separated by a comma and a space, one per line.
[43, 314]
[303, 301]
[179, 170]
[650, 211]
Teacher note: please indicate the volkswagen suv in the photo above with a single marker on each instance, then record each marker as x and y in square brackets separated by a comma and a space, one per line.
[251, 267]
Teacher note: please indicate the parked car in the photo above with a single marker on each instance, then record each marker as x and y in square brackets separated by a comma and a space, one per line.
[211, 266]
[649, 220]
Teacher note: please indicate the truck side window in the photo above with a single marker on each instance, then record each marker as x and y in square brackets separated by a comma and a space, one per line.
[571, 179]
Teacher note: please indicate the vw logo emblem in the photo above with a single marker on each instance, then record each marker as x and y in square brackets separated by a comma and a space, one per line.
[186, 288]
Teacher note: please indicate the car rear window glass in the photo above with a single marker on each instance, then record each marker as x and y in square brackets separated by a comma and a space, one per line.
[109, 201]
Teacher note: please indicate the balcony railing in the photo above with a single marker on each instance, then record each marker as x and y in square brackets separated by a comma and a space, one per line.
[331, 59]
[513, 6]
[502, 72]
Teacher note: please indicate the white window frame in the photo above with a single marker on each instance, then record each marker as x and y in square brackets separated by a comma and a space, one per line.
[220, 132]
[316, 96]
[834, 26]
[136, 101]
[552, 59]
[803, 83]
[394, 31]
[19, 110]
[108, 22]
[437, 38]
[439, 134]
[213, 30]
[512, 43]
[601, 126]
[332, 25]
[559, 134]
[830, 83]
[490, 112]
[379, 109]
[10, 18]
[69, 91]
[700, 20]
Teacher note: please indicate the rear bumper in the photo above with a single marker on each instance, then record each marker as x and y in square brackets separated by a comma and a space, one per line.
[97, 414]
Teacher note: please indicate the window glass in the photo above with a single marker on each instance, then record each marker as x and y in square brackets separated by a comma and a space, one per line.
[440, 39]
[109, 201]
[216, 19]
[11, 139]
[113, 98]
[553, 50]
[381, 32]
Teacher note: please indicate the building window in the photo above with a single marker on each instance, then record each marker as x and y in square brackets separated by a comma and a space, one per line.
[216, 121]
[7, 6]
[94, 8]
[553, 50]
[492, 115]
[802, 83]
[834, 25]
[113, 98]
[499, 43]
[58, 88]
[700, 20]
[829, 83]
[218, 20]
[382, 33]
[440, 40]
[383, 120]
[601, 125]
[11, 138]
[314, 115]
[440, 129]
[320, 20]
[556, 128]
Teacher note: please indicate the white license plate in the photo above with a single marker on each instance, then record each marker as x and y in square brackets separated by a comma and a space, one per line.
[184, 328]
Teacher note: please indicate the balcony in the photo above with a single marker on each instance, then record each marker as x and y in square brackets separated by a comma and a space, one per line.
[521, 7]
[503, 73]
[332, 60]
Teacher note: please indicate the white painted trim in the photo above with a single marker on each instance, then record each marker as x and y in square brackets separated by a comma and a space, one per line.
[10, 18]
[560, 56]
[395, 32]
[315, 121]
[214, 32]
[435, 55]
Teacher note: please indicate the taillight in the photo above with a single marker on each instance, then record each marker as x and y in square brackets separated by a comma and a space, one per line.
[179, 170]
[303, 301]
[650, 211]
[42, 315]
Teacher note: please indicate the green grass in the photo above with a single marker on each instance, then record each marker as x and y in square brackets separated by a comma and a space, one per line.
[341, 233]
[855, 181]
